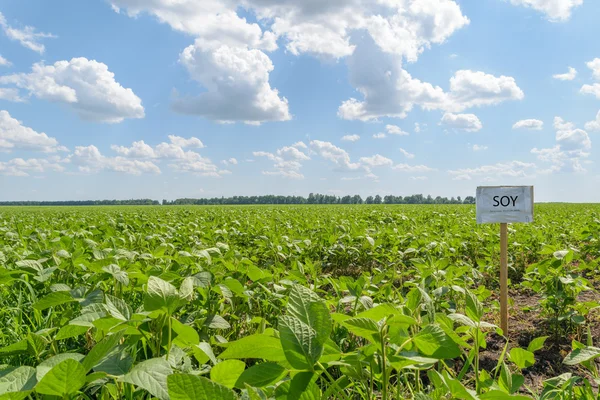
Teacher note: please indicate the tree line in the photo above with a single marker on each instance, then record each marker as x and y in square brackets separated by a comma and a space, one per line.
[316, 198]
[313, 198]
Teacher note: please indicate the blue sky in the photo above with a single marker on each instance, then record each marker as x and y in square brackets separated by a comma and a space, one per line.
[163, 99]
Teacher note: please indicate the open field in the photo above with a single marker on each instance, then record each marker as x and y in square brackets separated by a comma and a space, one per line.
[295, 302]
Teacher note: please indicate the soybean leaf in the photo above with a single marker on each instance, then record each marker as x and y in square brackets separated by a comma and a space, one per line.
[64, 379]
[522, 358]
[151, 375]
[21, 379]
[433, 342]
[52, 300]
[191, 387]
[261, 375]
[101, 349]
[299, 342]
[227, 372]
[255, 346]
[161, 295]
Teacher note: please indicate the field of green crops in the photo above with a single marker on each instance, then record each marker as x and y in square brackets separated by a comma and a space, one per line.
[295, 302]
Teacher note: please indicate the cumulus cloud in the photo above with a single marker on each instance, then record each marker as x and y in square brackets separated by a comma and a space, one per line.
[237, 86]
[464, 122]
[15, 136]
[334, 154]
[28, 37]
[175, 152]
[395, 130]
[22, 167]
[532, 124]
[287, 161]
[406, 154]
[388, 90]
[376, 161]
[87, 86]
[594, 125]
[11, 94]
[572, 147]
[4, 62]
[380, 135]
[89, 159]
[477, 147]
[350, 138]
[555, 10]
[594, 65]
[231, 161]
[568, 76]
[594, 90]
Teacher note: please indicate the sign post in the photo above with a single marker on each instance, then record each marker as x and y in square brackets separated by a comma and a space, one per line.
[504, 204]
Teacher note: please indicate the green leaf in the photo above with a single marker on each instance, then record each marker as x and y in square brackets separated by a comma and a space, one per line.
[52, 300]
[301, 387]
[365, 328]
[579, 356]
[36, 344]
[101, 349]
[522, 358]
[117, 308]
[69, 331]
[307, 307]
[47, 365]
[186, 335]
[299, 342]
[21, 379]
[161, 295]
[227, 372]
[433, 342]
[15, 348]
[151, 375]
[191, 387]
[117, 362]
[474, 309]
[255, 346]
[64, 379]
[537, 344]
[216, 322]
[261, 375]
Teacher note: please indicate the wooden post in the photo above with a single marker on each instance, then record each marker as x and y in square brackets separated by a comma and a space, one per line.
[504, 278]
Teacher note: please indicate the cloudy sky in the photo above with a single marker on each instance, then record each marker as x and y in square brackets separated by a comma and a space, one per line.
[189, 98]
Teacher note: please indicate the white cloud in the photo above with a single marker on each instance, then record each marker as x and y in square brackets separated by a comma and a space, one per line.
[351, 138]
[192, 142]
[555, 10]
[465, 122]
[594, 90]
[137, 150]
[512, 169]
[85, 85]
[11, 94]
[15, 136]
[477, 147]
[594, 65]
[380, 135]
[4, 62]
[22, 167]
[573, 146]
[376, 161]
[532, 124]
[407, 154]
[27, 36]
[390, 91]
[594, 125]
[287, 161]
[89, 159]
[395, 130]
[412, 168]
[417, 127]
[419, 178]
[475, 89]
[336, 155]
[231, 161]
[569, 76]
[237, 86]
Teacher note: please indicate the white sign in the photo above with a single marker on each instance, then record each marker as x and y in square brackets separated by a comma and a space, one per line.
[504, 204]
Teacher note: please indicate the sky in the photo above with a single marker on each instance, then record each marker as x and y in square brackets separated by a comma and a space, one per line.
[164, 99]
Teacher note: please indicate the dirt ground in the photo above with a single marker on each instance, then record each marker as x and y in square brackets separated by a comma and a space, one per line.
[525, 324]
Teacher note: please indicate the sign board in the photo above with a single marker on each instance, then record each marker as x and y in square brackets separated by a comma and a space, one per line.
[504, 204]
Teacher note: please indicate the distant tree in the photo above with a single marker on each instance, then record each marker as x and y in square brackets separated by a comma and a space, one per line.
[377, 199]
[469, 200]
[369, 199]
